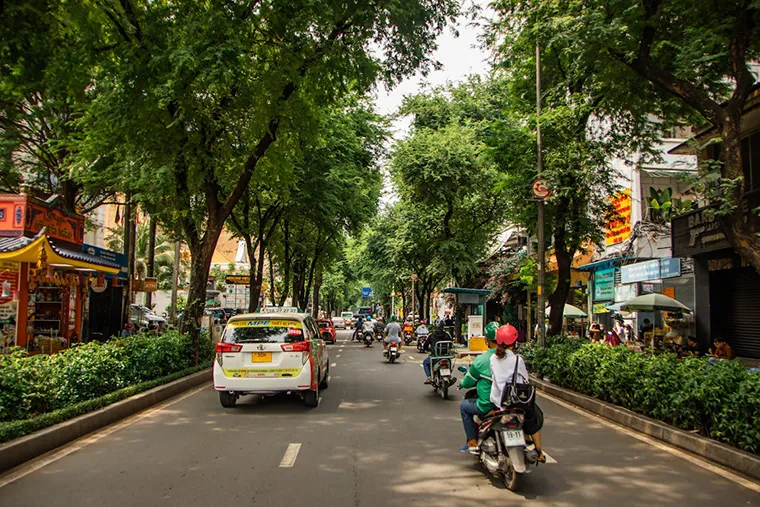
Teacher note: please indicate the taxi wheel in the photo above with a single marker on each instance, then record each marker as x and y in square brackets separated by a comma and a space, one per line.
[311, 398]
[324, 383]
[227, 400]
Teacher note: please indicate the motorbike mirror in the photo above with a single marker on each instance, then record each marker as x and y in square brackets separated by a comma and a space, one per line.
[463, 369]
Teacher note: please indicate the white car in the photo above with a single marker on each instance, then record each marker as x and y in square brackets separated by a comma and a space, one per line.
[270, 353]
[339, 322]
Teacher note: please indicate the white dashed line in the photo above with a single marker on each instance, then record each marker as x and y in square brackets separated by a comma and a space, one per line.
[549, 459]
[337, 356]
[333, 365]
[329, 378]
[291, 453]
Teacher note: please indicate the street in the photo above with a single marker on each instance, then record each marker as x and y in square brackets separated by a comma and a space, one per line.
[379, 437]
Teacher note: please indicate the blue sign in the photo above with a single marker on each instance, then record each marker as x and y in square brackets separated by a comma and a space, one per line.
[108, 255]
[651, 270]
[604, 285]
[366, 292]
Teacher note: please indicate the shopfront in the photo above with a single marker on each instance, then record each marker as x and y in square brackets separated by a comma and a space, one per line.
[45, 275]
[727, 290]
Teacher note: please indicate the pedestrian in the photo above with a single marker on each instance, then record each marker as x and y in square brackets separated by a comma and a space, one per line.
[127, 331]
[722, 350]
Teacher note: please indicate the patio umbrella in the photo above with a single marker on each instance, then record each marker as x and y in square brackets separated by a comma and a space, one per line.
[571, 312]
[654, 302]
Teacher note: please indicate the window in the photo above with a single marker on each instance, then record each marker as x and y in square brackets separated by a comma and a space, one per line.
[751, 162]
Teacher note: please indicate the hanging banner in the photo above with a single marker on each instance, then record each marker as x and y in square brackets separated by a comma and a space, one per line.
[619, 228]
[604, 285]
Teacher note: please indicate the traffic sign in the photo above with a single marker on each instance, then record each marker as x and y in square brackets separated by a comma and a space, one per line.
[541, 188]
[366, 292]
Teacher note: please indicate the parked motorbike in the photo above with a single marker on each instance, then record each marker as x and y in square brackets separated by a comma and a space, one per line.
[393, 352]
[502, 446]
[367, 338]
[441, 363]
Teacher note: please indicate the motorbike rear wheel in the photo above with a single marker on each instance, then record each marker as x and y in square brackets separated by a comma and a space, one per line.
[511, 479]
[444, 390]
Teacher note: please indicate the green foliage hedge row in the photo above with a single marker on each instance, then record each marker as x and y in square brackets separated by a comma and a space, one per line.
[15, 429]
[35, 385]
[721, 400]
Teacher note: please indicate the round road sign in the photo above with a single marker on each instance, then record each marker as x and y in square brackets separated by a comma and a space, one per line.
[541, 188]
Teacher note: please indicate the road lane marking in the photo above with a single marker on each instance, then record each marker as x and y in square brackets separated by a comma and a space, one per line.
[329, 378]
[291, 453]
[333, 365]
[657, 444]
[340, 350]
[337, 356]
[32, 466]
[549, 459]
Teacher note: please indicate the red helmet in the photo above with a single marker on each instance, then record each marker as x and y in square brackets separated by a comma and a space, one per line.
[422, 323]
[506, 335]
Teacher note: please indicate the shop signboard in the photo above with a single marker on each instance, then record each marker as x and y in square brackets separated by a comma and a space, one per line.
[619, 228]
[600, 308]
[604, 285]
[108, 255]
[57, 224]
[237, 279]
[9, 271]
[651, 270]
[625, 293]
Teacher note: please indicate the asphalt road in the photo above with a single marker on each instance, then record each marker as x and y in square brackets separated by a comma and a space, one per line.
[379, 438]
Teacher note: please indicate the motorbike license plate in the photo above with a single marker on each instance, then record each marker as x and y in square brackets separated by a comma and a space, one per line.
[513, 437]
[261, 357]
[445, 372]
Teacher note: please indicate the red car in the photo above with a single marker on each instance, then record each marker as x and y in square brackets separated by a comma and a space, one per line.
[327, 330]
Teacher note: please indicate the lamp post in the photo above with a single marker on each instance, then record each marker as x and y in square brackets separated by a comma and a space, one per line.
[414, 279]
[541, 242]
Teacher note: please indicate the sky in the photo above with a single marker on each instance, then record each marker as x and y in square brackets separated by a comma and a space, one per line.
[460, 57]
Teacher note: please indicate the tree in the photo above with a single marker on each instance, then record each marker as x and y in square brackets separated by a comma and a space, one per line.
[656, 52]
[196, 97]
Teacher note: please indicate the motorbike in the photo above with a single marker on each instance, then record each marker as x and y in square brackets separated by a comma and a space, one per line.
[393, 352]
[357, 335]
[408, 336]
[441, 364]
[503, 449]
[421, 339]
[367, 338]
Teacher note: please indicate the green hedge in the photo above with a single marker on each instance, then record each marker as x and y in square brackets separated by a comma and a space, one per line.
[15, 429]
[720, 400]
[34, 385]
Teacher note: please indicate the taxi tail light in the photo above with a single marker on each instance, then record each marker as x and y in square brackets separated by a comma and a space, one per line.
[224, 348]
[303, 347]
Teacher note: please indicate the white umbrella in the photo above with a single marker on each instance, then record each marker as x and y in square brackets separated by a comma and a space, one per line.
[654, 302]
[570, 312]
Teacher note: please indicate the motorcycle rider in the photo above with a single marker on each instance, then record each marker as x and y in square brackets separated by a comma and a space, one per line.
[421, 329]
[379, 328]
[369, 327]
[359, 325]
[503, 364]
[392, 335]
[479, 374]
[438, 336]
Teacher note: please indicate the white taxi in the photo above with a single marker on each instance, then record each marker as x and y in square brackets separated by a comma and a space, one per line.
[270, 353]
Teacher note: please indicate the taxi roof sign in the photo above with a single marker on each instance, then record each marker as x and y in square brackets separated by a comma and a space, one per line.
[279, 309]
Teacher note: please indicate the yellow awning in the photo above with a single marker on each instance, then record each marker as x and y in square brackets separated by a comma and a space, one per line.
[31, 253]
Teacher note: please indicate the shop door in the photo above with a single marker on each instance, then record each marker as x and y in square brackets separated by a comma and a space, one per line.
[734, 306]
[105, 314]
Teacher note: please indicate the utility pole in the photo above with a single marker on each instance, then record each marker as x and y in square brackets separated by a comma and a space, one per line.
[541, 245]
[175, 280]
[414, 308]
[151, 258]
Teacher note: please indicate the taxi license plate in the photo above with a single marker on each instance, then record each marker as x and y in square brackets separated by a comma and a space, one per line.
[513, 437]
[445, 372]
[261, 357]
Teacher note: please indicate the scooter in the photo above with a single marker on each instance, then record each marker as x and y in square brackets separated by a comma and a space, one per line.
[421, 339]
[367, 338]
[502, 447]
[358, 335]
[393, 352]
[408, 337]
[441, 363]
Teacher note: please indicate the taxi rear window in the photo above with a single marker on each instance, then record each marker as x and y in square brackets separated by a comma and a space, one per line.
[263, 331]
[322, 323]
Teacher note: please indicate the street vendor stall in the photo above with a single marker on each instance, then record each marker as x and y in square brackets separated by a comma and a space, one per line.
[675, 322]
[46, 273]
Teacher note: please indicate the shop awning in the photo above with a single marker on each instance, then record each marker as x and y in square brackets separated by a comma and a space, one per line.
[22, 249]
[461, 290]
[603, 264]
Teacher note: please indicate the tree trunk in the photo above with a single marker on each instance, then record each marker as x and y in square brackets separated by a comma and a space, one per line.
[151, 258]
[196, 298]
[559, 297]
[70, 190]
[259, 274]
[296, 282]
[175, 280]
[250, 247]
[315, 299]
[128, 249]
[287, 262]
[736, 227]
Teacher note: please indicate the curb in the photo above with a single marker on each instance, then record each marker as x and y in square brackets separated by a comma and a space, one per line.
[711, 450]
[23, 449]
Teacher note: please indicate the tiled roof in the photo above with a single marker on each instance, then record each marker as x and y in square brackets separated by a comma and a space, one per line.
[82, 256]
[14, 243]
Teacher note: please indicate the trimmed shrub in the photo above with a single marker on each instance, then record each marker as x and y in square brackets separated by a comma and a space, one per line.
[34, 385]
[719, 399]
